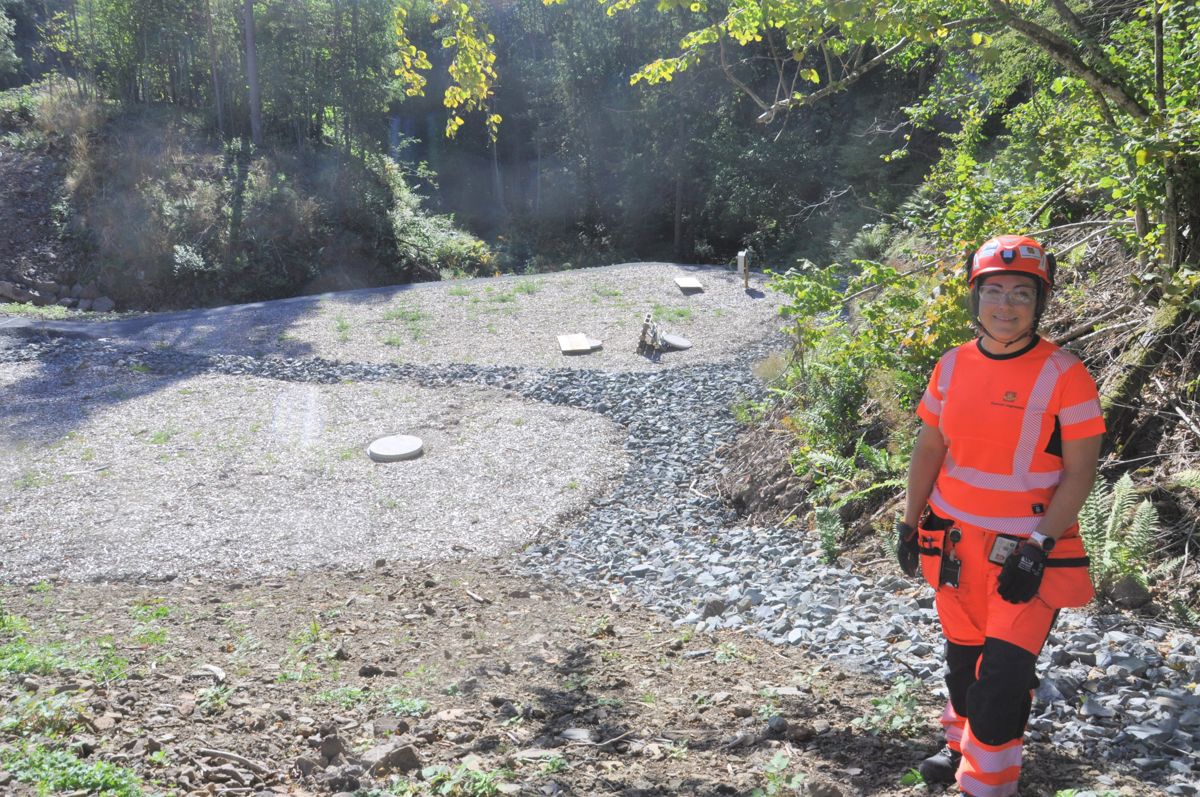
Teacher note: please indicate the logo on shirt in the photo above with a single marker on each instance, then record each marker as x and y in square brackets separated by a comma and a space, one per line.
[1009, 401]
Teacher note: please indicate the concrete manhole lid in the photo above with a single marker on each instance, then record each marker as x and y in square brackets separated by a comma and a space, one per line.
[395, 448]
[677, 342]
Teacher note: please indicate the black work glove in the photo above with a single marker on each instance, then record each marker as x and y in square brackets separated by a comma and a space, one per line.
[1021, 575]
[906, 548]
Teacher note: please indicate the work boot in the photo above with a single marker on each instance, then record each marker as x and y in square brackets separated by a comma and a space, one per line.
[941, 766]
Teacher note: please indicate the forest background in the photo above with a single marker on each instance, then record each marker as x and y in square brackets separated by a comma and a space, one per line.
[226, 150]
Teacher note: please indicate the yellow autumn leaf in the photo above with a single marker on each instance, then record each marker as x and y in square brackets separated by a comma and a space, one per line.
[1142, 157]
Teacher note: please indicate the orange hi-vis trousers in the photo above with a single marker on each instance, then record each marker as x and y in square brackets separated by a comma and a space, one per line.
[991, 653]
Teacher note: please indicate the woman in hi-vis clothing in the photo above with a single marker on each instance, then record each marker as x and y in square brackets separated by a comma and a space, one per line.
[1006, 455]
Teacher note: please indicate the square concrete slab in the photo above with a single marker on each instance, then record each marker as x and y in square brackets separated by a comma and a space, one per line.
[689, 284]
[577, 344]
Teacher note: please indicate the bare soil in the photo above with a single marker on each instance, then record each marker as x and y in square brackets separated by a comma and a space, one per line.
[287, 685]
[31, 249]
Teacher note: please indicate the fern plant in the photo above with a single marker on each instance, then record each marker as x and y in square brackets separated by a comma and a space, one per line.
[1118, 533]
[830, 532]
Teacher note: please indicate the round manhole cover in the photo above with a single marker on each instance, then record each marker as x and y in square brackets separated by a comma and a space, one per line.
[395, 447]
[677, 342]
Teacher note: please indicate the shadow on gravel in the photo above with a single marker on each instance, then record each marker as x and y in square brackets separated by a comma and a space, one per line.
[79, 358]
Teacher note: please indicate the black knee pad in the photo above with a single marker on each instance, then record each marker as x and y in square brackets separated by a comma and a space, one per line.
[999, 702]
[961, 661]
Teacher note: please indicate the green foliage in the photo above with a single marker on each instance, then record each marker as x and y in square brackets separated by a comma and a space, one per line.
[829, 531]
[52, 312]
[408, 706]
[343, 697]
[8, 56]
[867, 337]
[776, 778]
[61, 771]
[19, 655]
[897, 712]
[1118, 532]
[463, 781]
[425, 243]
[409, 317]
[213, 700]
[54, 715]
[663, 313]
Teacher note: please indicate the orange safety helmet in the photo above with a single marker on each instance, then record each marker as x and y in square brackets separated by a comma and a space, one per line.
[1011, 254]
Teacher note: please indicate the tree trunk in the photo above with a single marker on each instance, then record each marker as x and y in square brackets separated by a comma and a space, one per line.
[255, 97]
[1127, 376]
[497, 180]
[679, 214]
[1170, 206]
[215, 69]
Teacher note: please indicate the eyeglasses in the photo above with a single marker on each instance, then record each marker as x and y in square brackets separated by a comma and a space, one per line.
[1017, 297]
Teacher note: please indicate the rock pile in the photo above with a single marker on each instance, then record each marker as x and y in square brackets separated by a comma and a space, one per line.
[43, 293]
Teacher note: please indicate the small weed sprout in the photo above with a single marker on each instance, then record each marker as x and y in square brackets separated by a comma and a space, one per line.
[776, 780]
[663, 313]
[213, 700]
[150, 609]
[676, 751]
[343, 697]
[410, 318]
[727, 652]
[896, 712]
[464, 781]
[160, 758]
[602, 626]
[408, 706]
[342, 327]
[748, 412]
[770, 705]
[553, 764]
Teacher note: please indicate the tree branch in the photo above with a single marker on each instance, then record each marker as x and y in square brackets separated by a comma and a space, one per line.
[855, 74]
[768, 114]
[1078, 28]
[733, 78]
[1063, 52]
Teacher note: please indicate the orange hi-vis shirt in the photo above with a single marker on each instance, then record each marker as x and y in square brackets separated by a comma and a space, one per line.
[1003, 419]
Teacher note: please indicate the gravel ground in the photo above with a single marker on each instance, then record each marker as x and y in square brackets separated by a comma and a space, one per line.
[509, 320]
[1122, 691]
[152, 477]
